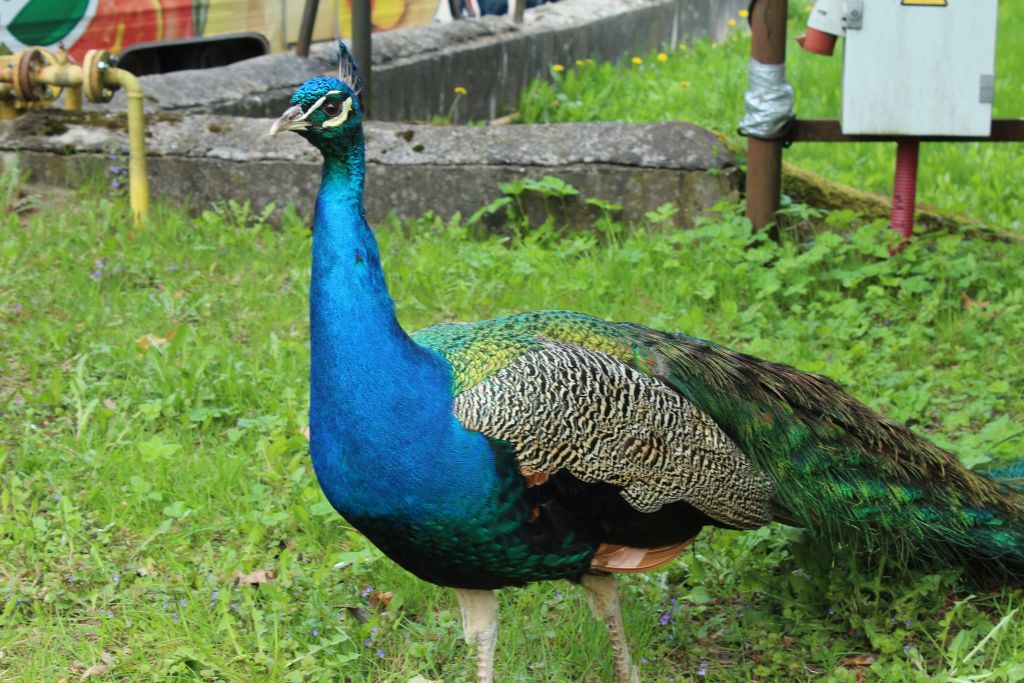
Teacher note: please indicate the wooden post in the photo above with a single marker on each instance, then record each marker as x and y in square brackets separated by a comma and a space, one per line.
[362, 46]
[306, 27]
[764, 157]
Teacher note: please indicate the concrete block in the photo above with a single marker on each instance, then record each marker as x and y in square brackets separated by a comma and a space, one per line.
[411, 169]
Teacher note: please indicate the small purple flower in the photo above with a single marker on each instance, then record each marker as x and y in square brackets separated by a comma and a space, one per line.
[373, 629]
[117, 578]
[316, 633]
[702, 671]
[18, 308]
[110, 612]
[906, 623]
[558, 595]
[366, 591]
[664, 619]
[892, 620]
[183, 602]
[176, 618]
[96, 274]
[643, 660]
[366, 642]
[112, 157]
[831, 612]
[234, 606]
[172, 267]
[380, 653]
[117, 170]
[57, 497]
[906, 648]
[116, 184]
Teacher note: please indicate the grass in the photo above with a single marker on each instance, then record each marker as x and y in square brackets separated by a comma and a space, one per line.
[153, 385]
[704, 83]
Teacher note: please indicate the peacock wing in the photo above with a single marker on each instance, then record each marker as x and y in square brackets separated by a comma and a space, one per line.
[570, 397]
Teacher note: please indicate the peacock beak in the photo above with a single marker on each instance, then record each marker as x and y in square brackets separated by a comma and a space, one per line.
[293, 118]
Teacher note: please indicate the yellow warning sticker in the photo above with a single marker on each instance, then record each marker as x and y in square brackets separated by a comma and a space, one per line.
[926, 3]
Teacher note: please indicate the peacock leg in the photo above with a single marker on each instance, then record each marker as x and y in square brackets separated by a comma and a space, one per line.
[604, 603]
[480, 625]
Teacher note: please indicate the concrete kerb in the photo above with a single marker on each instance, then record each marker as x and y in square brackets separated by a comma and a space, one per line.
[416, 69]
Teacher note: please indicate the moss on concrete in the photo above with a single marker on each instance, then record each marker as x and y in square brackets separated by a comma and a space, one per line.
[818, 191]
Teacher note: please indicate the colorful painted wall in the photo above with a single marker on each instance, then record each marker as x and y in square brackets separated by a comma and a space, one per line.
[115, 24]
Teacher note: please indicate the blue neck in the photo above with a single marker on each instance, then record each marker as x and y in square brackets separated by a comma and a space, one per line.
[381, 422]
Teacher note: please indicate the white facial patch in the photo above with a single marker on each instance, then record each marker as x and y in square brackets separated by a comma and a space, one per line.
[313, 108]
[316, 105]
[346, 109]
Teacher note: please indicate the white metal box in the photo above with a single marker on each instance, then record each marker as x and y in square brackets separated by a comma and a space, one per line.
[919, 67]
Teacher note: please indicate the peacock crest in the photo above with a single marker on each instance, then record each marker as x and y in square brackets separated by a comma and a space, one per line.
[348, 73]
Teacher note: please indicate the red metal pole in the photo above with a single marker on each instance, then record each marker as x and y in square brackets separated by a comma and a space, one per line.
[904, 190]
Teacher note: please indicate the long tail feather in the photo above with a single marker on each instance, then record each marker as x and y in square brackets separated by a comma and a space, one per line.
[849, 475]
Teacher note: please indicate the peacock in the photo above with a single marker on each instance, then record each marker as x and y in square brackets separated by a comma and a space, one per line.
[556, 445]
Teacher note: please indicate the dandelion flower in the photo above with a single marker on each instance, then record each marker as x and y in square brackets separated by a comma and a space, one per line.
[732, 22]
[682, 46]
[744, 14]
[459, 90]
[662, 57]
[558, 68]
[580, 62]
[637, 60]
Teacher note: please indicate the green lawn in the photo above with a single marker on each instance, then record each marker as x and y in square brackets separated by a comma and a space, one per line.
[704, 84]
[153, 385]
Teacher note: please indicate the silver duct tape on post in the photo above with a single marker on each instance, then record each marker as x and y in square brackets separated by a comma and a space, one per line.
[769, 101]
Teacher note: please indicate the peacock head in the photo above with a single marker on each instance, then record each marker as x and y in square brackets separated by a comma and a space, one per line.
[326, 110]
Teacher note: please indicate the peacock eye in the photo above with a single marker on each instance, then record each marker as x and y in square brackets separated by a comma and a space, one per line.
[332, 108]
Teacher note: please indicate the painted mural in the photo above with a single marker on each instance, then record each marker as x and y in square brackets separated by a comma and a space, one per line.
[115, 24]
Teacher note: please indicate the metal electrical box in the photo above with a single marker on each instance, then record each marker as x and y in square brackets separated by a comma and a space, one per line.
[919, 67]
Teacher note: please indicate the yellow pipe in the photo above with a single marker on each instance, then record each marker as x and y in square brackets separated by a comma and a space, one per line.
[61, 75]
[71, 76]
[138, 187]
[7, 110]
[73, 99]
